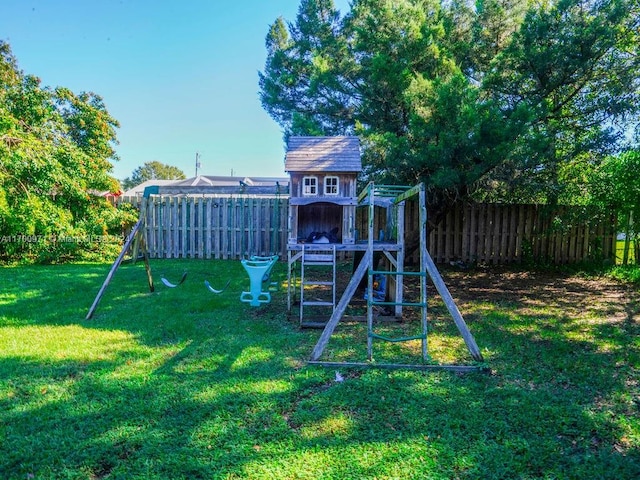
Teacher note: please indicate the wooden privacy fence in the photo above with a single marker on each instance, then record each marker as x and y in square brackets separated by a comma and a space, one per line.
[502, 234]
[214, 227]
[224, 227]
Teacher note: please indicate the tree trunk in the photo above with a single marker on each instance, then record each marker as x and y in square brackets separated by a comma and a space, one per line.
[627, 239]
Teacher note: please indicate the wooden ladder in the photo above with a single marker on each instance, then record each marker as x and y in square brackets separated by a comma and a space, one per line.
[313, 274]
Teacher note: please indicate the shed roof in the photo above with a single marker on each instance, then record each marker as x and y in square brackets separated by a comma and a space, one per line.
[323, 154]
[212, 182]
[220, 181]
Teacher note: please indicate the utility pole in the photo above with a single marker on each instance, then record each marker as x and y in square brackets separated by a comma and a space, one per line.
[197, 163]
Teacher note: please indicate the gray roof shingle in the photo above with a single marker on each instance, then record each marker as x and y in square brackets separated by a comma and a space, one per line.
[323, 154]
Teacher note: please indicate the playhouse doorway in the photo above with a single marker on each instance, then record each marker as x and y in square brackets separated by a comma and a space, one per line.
[319, 217]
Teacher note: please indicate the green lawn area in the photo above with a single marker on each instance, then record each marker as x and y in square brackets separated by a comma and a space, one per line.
[620, 251]
[185, 384]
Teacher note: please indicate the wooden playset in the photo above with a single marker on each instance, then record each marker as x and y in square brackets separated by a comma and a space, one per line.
[322, 227]
[322, 211]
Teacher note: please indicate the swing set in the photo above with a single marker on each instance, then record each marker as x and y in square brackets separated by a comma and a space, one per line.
[135, 241]
[258, 269]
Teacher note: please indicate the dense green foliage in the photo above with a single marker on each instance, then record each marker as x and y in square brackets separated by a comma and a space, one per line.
[493, 97]
[615, 185]
[55, 154]
[183, 384]
[152, 171]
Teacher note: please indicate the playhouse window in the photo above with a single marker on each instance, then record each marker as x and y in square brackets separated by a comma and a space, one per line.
[310, 186]
[331, 185]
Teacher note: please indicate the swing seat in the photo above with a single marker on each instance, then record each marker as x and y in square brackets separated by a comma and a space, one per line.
[214, 290]
[174, 285]
[259, 270]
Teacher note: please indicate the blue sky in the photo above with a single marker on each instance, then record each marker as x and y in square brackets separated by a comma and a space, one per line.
[180, 77]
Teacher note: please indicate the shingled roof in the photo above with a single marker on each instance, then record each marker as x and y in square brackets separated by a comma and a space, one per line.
[323, 154]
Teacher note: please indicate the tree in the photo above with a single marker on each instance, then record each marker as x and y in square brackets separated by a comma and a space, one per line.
[575, 67]
[459, 96]
[55, 150]
[151, 171]
[614, 185]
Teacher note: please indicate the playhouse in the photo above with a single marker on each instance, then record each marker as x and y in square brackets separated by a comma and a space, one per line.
[322, 196]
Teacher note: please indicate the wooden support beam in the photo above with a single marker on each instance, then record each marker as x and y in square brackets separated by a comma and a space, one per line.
[114, 267]
[342, 305]
[147, 265]
[453, 309]
[409, 193]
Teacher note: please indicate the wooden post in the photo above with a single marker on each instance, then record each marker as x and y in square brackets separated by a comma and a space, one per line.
[504, 241]
[370, 276]
[165, 227]
[163, 208]
[400, 256]
[225, 228]
[184, 231]
[424, 253]
[209, 231]
[495, 249]
[191, 251]
[473, 233]
[147, 266]
[200, 233]
[453, 309]
[114, 267]
[174, 250]
[482, 233]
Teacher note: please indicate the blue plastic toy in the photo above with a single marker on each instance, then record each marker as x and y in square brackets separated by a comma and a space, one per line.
[259, 270]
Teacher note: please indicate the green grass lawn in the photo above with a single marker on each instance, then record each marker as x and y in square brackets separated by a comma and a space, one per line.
[620, 251]
[185, 384]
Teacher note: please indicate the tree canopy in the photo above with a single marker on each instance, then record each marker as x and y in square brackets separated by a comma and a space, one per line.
[492, 97]
[56, 150]
[614, 186]
[150, 171]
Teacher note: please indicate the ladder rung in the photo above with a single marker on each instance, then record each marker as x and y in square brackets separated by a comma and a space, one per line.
[318, 257]
[408, 274]
[404, 304]
[399, 339]
[317, 303]
[319, 263]
[317, 282]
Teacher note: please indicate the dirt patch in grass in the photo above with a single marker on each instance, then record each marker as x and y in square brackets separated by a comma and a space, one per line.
[574, 295]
